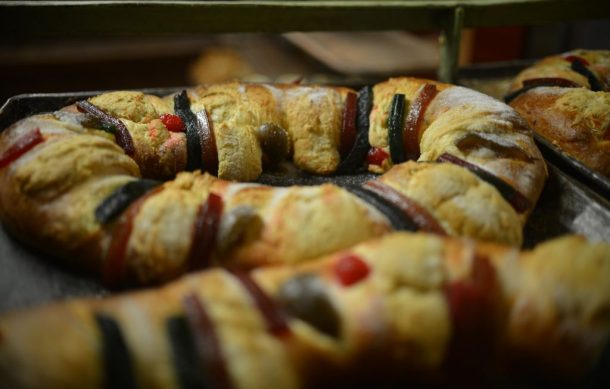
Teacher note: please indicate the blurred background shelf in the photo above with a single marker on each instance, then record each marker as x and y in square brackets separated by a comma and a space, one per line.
[60, 46]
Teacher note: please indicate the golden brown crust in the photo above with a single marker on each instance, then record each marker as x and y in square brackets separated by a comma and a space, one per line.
[576, 120]
[258, 225]
[49, 195]
[463, 204]
[456, 113]
[549, 307]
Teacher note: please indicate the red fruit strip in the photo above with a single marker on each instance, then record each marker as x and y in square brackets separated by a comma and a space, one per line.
[594, 82]
[205, 230]
[21, 146]
[376, 156]
[471, 305]
[121, 134]
[207, 343]
[540, 82]
[551, 81]
[172, 122]
[275, 318]
[515, 198]
[351, 269]
[209, 153]
[348, 127]
[575, 58]
[418, 214]
[415, 118]
[113, 269]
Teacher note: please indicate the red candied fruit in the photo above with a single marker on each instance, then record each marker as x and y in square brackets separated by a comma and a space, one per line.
[376, 156]
[24, 144]
[575, 58]
[172, 122]
[350, 269]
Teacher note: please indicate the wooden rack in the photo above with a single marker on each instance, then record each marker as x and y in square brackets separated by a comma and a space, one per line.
[98, 18]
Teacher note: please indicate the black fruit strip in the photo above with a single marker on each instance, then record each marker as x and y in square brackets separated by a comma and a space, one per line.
[111, 124]
[515, 198]
[395, 214]
[581, 68]
[356, 157]
[184, 353]
[182, 107]
[395, 128]
[213, 363]
[118, 372]
[118, 201]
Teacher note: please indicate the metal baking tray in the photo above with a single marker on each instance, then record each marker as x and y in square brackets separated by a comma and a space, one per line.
[593, 179]
[29, 278]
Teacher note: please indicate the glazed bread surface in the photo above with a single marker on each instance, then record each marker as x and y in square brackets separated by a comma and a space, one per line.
[576, 119]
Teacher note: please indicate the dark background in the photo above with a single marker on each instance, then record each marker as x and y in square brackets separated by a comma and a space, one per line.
[77, 64]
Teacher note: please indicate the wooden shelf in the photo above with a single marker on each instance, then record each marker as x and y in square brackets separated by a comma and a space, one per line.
[33, 19]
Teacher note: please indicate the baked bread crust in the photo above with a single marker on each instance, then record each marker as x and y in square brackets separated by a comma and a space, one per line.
[457, 113]
[574, 119]
[50, 194]
[402, 321]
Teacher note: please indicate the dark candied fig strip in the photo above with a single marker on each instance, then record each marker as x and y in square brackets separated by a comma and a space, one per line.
[274, 142]
[357, 155]
[205, 230]
[411, 209]
[515, 198]
[540, 82]
[182, 107]
[113, 268]
[115, 354]
[209, 152]
[111, 124]
[390, 210]
[580, 68]
[305, 297]
[240, 225]
[395, 127]
[184, 353]
[121, 198]
[348, 124]
[275, 317]
[207, 343]
[415, 117]
[22, 145]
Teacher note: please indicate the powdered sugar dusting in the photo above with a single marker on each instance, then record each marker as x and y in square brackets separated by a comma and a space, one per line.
[317, 95]
[549, 91]
[459, 97]
[277, 94]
